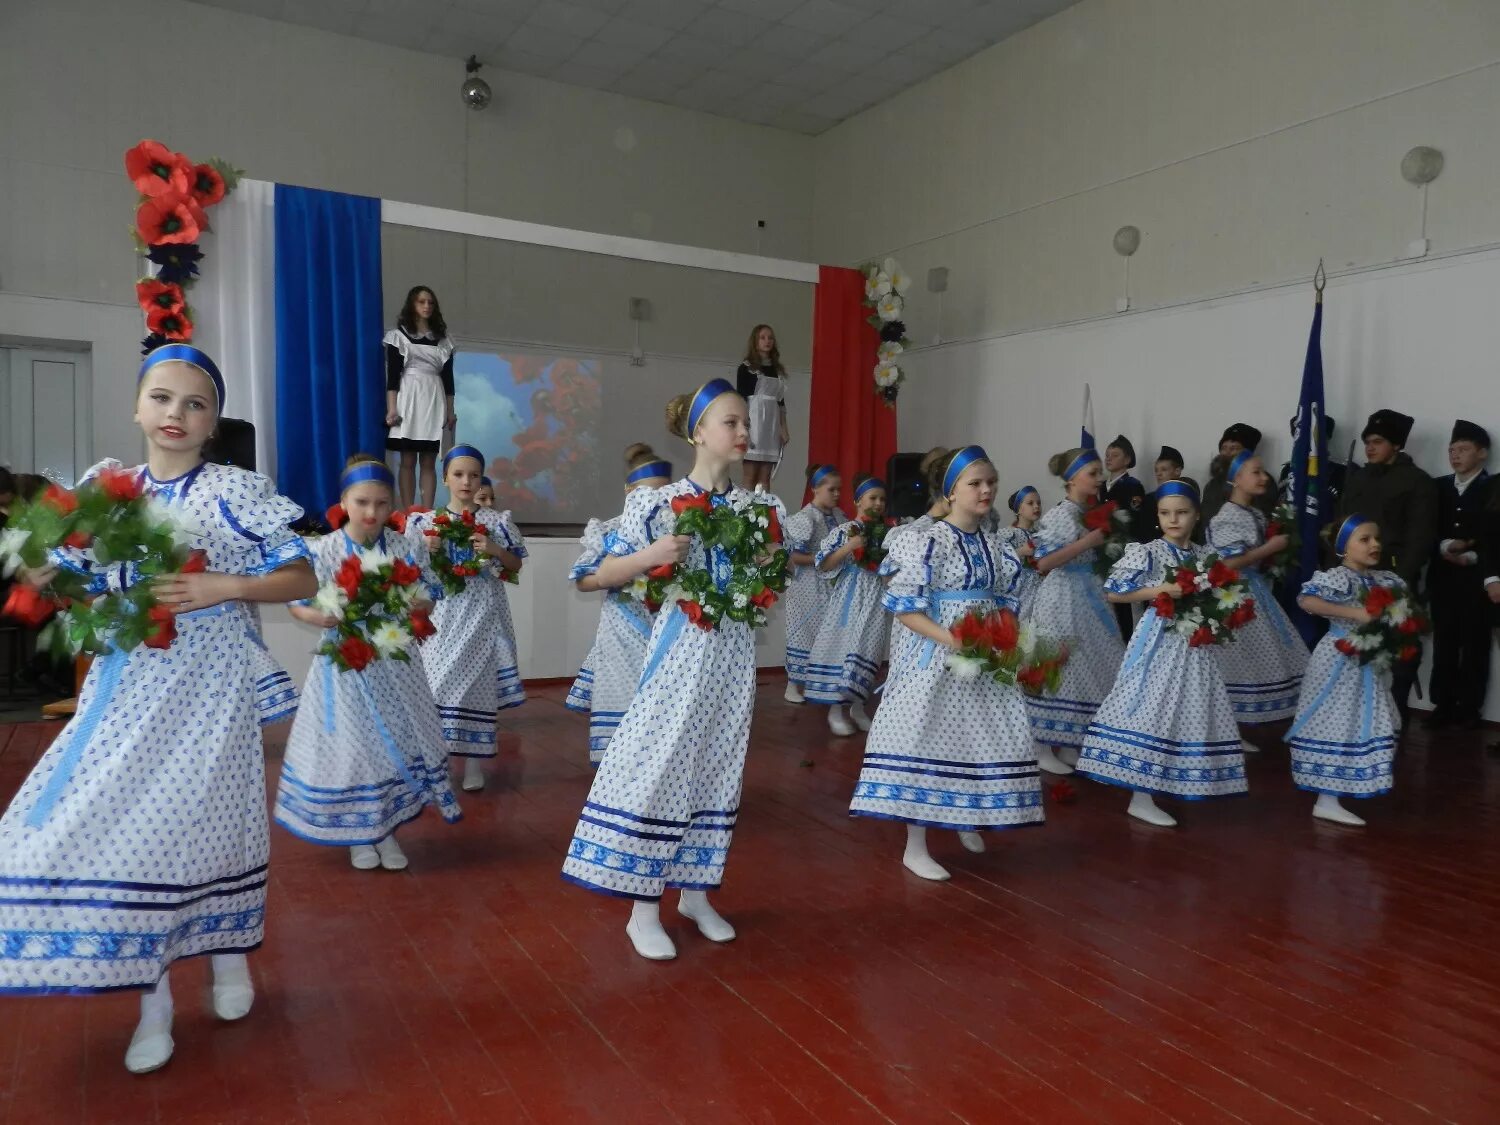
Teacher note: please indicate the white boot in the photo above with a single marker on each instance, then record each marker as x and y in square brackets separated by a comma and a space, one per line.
[1049, 761]
[151, 1045]
[1248, 747]
[392, 858]
[857, 713]
[645, 933]
[1143, 807]
[1329, 807]
[363, 857]
[233, 991]
[711, 924]
[794, 692]
[837, 723]
[916, 859]
[1068, 755]
[473, 776]
[972, 841]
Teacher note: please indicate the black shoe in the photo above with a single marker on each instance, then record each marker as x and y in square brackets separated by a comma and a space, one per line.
[1438, 719]
[1471, 721]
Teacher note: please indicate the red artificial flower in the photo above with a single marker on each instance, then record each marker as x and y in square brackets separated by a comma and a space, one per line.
[349, 575]
[858, 554]
[356, 652]
[153, 294]
[157, 170]
[1220, 575]
[1346, 646]
[773, 527]
[197, 562]
[1409, 652]
[78, 540]
[1273, 529]
[1032, 678]
[1241, 615]
[415, 510]
[1062, 792]
[1004, 630]
[404, 573]
[442, 519]
[1410, 626]
[164, 631]
[1186, 579]
[29, 606]
[1165, 607]
[1202, 635]
[467, 517]
[207, 185]
[765, 599]
[336, 517]
[695, 614]
[60, 500]
[170, 218]
[119, 484]
[1377, 600]
[397, 520]
[682, 503]
[1099, 517]
[968, 630]
[664, 571]
[421, 624]
[173, 324]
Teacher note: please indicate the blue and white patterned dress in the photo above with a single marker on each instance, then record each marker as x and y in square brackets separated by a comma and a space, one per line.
[1031, 579]
[1344, 737]
[663, 806]
[945, 751]
[140, 838]
[851, 639]
[366, 753]
[806, 592]
[1166, 726]
[613, 667]
[471, 662]
[1069, 607]
[1264, 664]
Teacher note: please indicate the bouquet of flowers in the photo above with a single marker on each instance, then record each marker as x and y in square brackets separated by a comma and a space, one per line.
[994, 643]
[380, 606]
[749, 533]
[454, 559]
[1214, 603]
[873, 552]
[1108, 518]
[1398, 621]
[1283, 521]
[116, 526]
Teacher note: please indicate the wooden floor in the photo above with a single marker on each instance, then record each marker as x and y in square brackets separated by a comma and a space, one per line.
[1252, 965]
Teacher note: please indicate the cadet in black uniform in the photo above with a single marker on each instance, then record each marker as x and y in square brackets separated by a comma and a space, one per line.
[1237, 437]
[1129, 496]
[1460, 609]
[1330, 471]
[1168, 466]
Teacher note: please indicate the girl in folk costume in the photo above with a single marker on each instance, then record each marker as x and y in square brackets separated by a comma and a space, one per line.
[852, 637]
[471, 663]
[946, 751]
[1344, 737]
[418, 392]
[807, 592]
[366, 753]
[140, 838]
[662, 809]
[1069, 608]
[761, 382]
[1026, 503]
[607, 681]
[1166, 726]
[1263, 667]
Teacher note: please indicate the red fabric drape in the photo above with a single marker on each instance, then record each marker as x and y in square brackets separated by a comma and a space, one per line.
[850, 425]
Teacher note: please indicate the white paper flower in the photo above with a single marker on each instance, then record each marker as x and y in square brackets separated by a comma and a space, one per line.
[877, 284]
[182, 525]
[888, 350]
[372, 560]
[887, 374]
[1027, 640]
[889, 307]
[1229, 596]
[900, 280]
[964, 667]
[741, 600]
[388, 638]
[331, 600]
[1398, 611]
[12, 539]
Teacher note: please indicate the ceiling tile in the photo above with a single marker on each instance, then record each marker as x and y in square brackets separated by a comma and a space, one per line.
[480, 26]
[646, 84]
[608, 7]
[604, 56]
[671, 14]
[524, 62]
[823, 16]
[570, 19]
[684, 48]
[766, 9]
[846, 55]
[809, 76]
[512, 9]
[725, 28]
[887, 33]
[544, 42]
[330, 15]
[624, 33]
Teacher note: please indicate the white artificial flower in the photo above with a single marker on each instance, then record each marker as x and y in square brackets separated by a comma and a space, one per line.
[900, 280]
[888, 351]
[1027, 640]
[877, 285]
[1229, 597]
[889, 307]
[12, 539]
[887, 374]
[388, 638]
[331, 600]
[1398, 611]
[741, 600]
[183, 526]
[965, 667]
[637, 587]
[1201, 582]
[372, 560]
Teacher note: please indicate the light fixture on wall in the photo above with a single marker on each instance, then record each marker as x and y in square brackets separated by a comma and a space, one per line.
[1127, 242]
[1420, 167]
[640, 309]
[476, 92]
[937, 284]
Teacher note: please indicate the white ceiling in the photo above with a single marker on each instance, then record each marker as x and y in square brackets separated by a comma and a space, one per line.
[802, 65]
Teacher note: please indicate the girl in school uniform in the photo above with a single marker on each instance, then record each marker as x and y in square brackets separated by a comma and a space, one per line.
[851, 639]
[946, 751]
[1026, 504]
[761, 382]
[418, 392]
[606, 683]
[1264, 666]
[1343, 739]
[366, 753]
[662, 809]
[1069, 608]
[1166, 726]
[807, 592]
[471, 662]
[156, 788]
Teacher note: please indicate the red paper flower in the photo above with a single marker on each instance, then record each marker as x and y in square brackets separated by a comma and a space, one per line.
[60, 500]
[173, 324]
[349, 575]
[397, 520]
[1411, 626]
[164, 628]
[1273, 529]
[157, 170]
[356, 652]
[154, 294]
[1165, 607]
[968, 630]
[695, 613]
[700, 500]
[78, 540]
[119, 484]
[664, 571]
[1003, 630]
[197, 563]
[1186, 579]
[765, 599]
[171, 218]
[336, 517]
[28, 606]
[1377, 600]
[441, 520]
[1099, 517]
[404, 573]
[1346, 646]
[467, 517]
[1202, 635]
[1408, 652]
[206, 185]
[773, 527]
[1220, 575]
[421, 624]
[1031, 678]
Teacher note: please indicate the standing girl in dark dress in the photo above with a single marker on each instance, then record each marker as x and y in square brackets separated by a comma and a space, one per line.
[761, 382]
[418, 392]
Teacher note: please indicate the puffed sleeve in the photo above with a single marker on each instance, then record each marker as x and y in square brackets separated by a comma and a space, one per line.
[799, 532]
[593, 550]
[1336, 585]
[261, 517]
[1056, 529]
[1233, 531]
[636, 530]
[503, 530]
[831, 543]
[1136, 569]
[911, 576]
[1008, 565]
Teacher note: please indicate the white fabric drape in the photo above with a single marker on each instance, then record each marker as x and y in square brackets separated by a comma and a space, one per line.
[234, 303]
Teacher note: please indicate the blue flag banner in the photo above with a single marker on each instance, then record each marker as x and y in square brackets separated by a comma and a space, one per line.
[1087, 440]
[1309, 483]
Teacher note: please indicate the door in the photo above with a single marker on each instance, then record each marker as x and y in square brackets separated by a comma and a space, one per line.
[46, 399]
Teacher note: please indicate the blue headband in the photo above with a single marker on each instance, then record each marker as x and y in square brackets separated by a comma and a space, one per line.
[184, 353]
[376, 471]
[462, 451]
[865, 485]
[1178, 488]
[820, 474]
[1239, 462]
[710, 390]
[961, 461]
[649, 470]
[1346, 529]
[1085, 457]
[485, 482]
[1020, 497]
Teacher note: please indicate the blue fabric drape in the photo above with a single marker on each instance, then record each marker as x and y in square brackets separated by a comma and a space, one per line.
[330, 374]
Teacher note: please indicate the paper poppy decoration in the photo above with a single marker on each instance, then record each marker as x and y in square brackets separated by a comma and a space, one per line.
[152, 293]
[157, 170]
[207, 185]
[172, 217]
[173, 325]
